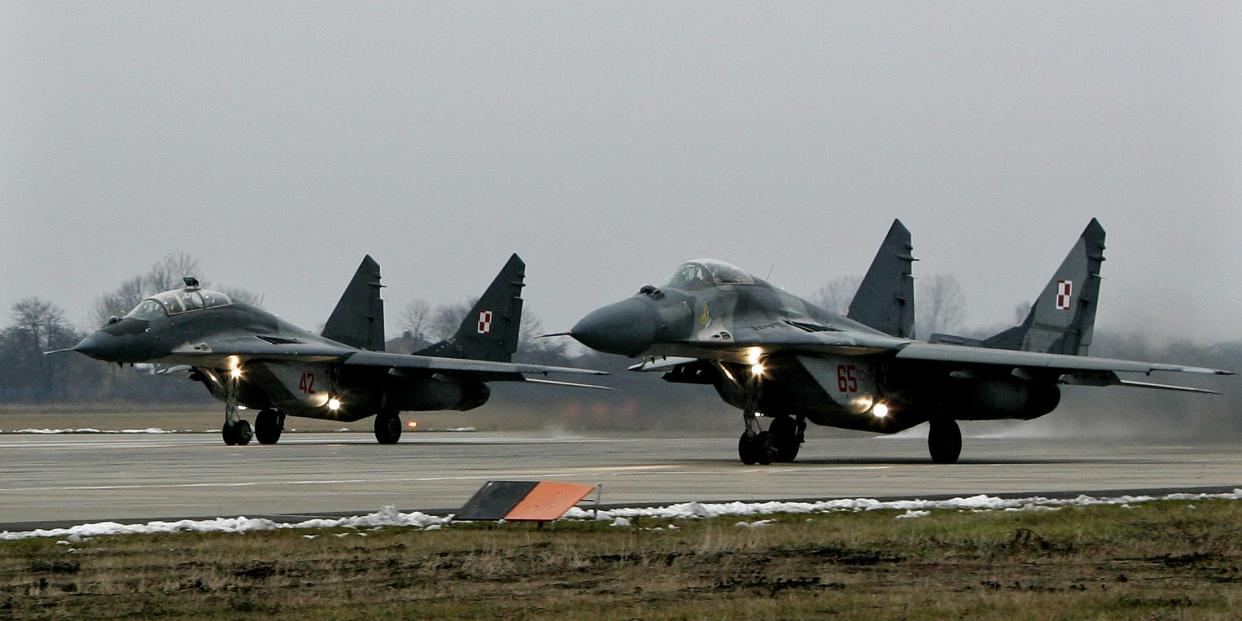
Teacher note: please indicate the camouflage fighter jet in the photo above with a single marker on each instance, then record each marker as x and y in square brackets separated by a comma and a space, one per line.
[248, 357]
[765, 350]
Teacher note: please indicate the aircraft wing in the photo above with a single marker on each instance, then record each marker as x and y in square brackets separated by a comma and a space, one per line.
[458, 365]
[1084, 370]
[971, 356]
[245, 347]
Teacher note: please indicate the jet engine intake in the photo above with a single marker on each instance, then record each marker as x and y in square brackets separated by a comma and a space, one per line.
[436, 393]
[1000, 399]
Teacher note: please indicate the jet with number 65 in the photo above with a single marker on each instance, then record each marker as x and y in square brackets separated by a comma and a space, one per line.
[248, 357]
[767, 351]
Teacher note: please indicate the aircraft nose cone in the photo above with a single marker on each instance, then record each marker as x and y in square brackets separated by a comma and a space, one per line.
[627, 328]
[99, 346]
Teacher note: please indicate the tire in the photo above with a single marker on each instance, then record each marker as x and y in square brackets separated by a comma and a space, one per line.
[242, 432]
[784, 432]
[746, 450]
[387, 427]
[765, 452]
[226, 432]
[944, 441]
[268, 425]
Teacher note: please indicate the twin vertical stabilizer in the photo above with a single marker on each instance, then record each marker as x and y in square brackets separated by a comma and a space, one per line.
[1062, 319]
[885, 299]
[490, 330]
[358, 319]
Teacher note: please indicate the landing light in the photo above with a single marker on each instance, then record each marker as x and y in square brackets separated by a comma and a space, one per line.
[235, 372]
[334, 404]
[879, 410]
[756, 369]
[752, 355]
[411, 424]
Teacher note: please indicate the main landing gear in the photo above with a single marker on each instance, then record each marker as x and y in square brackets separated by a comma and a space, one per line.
[944, 441]
[388, 427]
[268, 425]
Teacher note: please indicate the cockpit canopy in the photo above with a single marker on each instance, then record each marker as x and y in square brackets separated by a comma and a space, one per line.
[708, 273]
[178, 301]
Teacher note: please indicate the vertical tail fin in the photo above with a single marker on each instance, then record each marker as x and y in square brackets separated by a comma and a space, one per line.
[490, 329]
[885, 299]
[1063, 317]
[358, 319]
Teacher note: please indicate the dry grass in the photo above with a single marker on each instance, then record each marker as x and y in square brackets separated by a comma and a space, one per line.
[1166, 560]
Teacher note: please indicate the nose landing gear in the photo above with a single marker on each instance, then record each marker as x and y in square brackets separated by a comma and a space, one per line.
[236, 432]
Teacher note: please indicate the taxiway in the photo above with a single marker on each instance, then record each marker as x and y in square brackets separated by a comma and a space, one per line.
[94, 477]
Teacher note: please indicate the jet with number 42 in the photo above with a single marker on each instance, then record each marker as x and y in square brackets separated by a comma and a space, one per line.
[250, 358]
[767, 351]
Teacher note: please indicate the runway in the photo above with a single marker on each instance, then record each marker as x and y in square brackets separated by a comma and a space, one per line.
[83, 478]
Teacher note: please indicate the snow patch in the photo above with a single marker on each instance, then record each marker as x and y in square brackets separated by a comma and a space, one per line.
[387, 516]
[755, 524]
[981, 502]
[390, 516]
[88, 430]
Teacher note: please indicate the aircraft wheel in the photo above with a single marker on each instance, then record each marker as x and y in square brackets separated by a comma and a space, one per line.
[785, 440]
[268, 425]
[237, 434]
[944, 441]
[242, 432]
[746, 450]
[387, 427]
[757, 449]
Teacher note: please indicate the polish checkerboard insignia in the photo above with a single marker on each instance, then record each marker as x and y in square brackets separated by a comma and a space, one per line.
[485, 322]
[1065, 290]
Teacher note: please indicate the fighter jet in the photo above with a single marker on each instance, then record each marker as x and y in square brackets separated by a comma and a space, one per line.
[768, 351]
[250, 358]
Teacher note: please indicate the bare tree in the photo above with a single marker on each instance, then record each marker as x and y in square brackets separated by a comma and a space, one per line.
[41, 323]
[242, 295]
[120, 301]
[835, 296]
[167, 272]
[941, 304]
[448, 317]
[1021, 311]
[415, 318]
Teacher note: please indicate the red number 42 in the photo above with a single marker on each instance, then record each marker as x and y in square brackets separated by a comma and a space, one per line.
[847, 381]
[307, 383]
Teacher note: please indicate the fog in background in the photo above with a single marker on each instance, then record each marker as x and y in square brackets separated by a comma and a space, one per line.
[607, 142]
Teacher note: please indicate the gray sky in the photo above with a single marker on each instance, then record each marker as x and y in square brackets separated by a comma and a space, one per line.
[607, 142]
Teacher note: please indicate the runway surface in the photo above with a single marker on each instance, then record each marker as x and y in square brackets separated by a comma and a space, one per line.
[81, 478]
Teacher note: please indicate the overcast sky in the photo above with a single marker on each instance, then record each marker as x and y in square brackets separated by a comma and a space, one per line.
[607, 142]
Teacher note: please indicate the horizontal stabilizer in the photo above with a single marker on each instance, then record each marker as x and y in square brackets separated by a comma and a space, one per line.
[660, 364]
[570, 384]
[953, 339]
[1167, 387]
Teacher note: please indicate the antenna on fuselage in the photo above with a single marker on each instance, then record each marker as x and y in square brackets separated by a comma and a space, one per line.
[191, 283]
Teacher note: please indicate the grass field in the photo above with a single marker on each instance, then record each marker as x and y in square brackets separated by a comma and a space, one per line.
[1158, 560]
